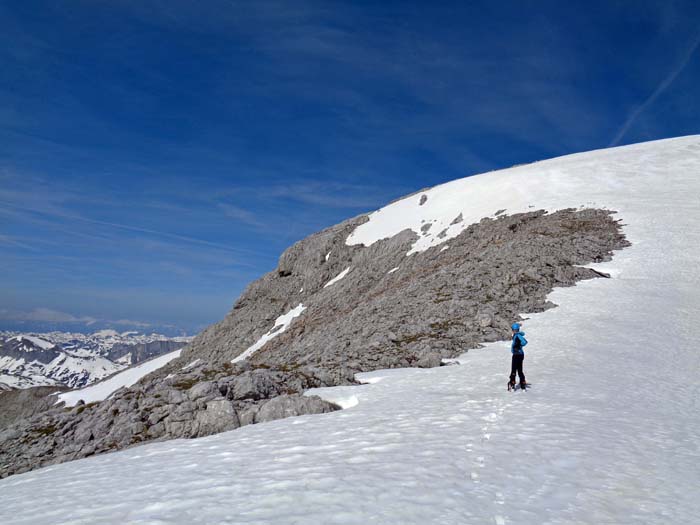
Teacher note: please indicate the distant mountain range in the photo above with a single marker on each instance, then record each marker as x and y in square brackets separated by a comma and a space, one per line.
[39, 322]
[75, 360]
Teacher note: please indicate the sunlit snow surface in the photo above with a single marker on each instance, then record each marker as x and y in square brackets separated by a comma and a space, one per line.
[607, 434]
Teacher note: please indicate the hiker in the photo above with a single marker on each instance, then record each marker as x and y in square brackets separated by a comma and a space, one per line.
[516, 348]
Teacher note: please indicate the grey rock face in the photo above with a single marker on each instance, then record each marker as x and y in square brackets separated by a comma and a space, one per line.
[16, 405]
[443, 301]
[143, 351]
[202, 390]
[437, 305]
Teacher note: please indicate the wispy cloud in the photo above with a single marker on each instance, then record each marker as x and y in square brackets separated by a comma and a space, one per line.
[329, 194]
[240, 214]
[48, 315]
[126, 227]
[13, 242]
[45, 315]
[663, 86]
[130, 322]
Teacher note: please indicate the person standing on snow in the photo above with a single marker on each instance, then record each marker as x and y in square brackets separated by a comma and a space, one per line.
[516, 348]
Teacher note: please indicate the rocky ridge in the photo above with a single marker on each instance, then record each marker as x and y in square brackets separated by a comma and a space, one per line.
[388, 310]
[135, 353]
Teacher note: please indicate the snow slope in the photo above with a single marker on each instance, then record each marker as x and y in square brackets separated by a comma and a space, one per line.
[103, 389]
[607, 434]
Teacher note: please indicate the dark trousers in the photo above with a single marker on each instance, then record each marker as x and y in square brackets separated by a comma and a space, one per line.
[517, 366]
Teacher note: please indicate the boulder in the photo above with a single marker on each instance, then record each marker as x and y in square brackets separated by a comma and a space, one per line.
[205, 389]
[254, 385]
[218, 417]
[429, 360]
[293, 405]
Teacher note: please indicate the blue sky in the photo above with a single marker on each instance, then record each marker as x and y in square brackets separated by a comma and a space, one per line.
[155, 157]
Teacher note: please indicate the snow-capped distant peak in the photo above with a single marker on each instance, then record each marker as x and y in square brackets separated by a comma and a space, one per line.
[74, 359]
[41, 343]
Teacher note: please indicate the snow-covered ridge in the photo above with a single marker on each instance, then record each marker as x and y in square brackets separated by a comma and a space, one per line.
[573, 181]
[100, 341]
[41, 343]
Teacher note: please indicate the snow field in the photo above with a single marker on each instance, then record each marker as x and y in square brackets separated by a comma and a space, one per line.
[607, 434]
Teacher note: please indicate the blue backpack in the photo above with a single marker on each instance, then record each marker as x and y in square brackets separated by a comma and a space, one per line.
[518, 342]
